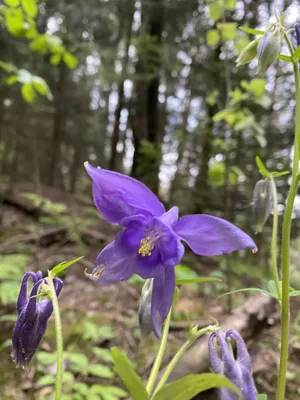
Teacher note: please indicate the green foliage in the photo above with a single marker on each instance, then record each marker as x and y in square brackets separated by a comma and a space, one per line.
[60, 268]
[91, 331]
[212, 37]
[128, 376]
[261, 397]
[228, 30]
[189, 386]
[217, 173]
[12, 269]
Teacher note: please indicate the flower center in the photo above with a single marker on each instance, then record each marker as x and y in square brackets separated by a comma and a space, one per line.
[146, 245]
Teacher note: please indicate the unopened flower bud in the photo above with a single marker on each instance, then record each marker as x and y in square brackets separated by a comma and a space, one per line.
[296, 36]
[248, 53]
[145, 319]
[262, 203]
[236, 369]
[269, 47]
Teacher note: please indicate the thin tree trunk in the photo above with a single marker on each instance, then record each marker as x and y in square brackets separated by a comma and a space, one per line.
[57, 133]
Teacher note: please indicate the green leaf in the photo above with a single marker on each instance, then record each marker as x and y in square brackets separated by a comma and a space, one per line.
[30, 7]
[104, 354]
[261, 397]
[278, 174]
[271, 285]
[8, 67]
[248, 290]
[285, 58]
[296, 54]
[228, 30]
[216, 174]
[251, 31]
[79, 362]
[186, 388]
[81, 388]
[212, 37]
[128, 376]
[107, 392]
[257, 86]
[215, 10]
[262, 169]
[230, 4]
[55, 59]
[70, 61]
[91, 331]
[196, 280]
[60, 268]
[14, 21]
[240, 43]
[12, 3]
[41, 87]
[8, 318]
[295, 293]
[100, 370]
[28, 92]
[46, 380]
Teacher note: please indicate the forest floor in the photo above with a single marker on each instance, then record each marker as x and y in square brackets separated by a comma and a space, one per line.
[50, 233]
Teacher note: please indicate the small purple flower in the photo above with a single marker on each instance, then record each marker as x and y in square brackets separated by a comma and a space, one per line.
[237, 370]
[32, 319]
[150, 245]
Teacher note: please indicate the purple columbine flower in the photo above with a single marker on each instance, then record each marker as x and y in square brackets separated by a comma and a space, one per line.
[150, 245]
[32, 319]
[237, 370]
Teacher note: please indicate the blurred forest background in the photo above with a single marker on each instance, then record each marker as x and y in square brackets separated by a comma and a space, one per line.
[148, 88]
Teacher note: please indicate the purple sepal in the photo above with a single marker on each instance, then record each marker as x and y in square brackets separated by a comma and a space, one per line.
[237, 370]
[32, 319]
[211, 236]
[118, 196]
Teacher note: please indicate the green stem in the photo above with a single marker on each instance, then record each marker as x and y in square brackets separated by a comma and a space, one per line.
[160, 354]
[177, 356]
[274, 238]
[59, 338]
[285, 249]
[172, 364]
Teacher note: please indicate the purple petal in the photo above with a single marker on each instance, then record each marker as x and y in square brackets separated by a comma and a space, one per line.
[149, 266]
[211, 236]
[113, 265]
[243, 356]
[23, 299]
[118, 196]
[170, 217]
[162, 297]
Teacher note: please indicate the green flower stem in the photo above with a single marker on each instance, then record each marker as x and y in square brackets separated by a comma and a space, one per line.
[160, 354]
[183, 348]
[285, 249]
[59, 338]
[274, 238]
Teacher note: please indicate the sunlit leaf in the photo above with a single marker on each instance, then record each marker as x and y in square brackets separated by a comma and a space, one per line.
[294, 293]
[212, 37]
[28, 92]
[70, 61]
[230, 4]
[285, 58]
[129, 377]
[228, 30]
[30, 7]
[14, 21]
[240, 43]
[215, 10]
[12, 3]
[189, 386]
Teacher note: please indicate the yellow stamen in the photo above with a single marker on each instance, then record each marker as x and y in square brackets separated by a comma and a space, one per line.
[145, 247]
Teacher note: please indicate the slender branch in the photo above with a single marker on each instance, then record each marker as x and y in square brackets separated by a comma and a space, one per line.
[160, 354]
[59, 338]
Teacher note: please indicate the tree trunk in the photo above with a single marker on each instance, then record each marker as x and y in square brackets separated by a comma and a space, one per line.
[57, 133]
[116, 130]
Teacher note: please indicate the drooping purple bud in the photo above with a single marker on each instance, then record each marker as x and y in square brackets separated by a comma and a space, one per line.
[32, 319]
[237, 370]
[296, 36]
